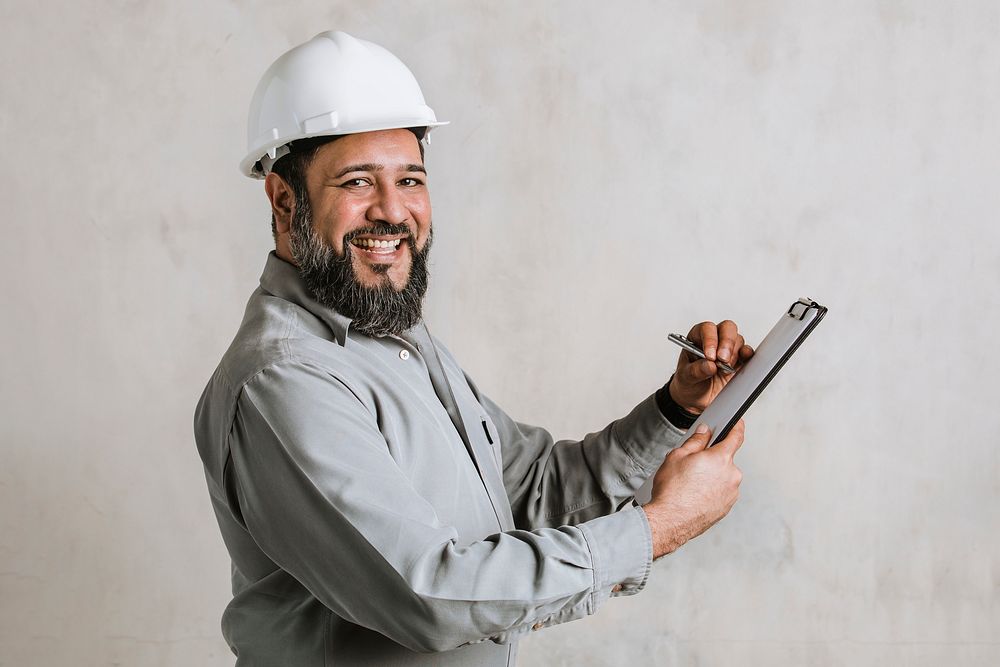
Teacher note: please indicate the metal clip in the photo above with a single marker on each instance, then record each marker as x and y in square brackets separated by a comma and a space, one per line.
[807, 304]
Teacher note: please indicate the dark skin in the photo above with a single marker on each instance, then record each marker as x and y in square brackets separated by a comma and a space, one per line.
[693, 489]
[697, 486]
[352, 183]
[372, 176]
[698, 381]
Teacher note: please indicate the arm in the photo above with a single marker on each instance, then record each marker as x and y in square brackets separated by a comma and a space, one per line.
[323, 498]
[553, 483]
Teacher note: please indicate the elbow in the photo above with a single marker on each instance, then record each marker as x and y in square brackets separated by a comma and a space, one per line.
[446, 639]
[434, 611]
[440, 625]
[435, 626]
[433, 633]
[432, 644]
[429, 638]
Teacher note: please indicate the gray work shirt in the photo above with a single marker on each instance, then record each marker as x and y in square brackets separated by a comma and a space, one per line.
[380, 510]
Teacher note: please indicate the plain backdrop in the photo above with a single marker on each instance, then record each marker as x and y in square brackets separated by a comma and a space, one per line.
[613, 172]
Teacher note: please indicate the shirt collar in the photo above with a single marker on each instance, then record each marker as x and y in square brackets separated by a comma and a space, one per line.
[283, 280]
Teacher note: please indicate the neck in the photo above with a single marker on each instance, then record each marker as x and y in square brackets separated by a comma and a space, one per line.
[283, 250]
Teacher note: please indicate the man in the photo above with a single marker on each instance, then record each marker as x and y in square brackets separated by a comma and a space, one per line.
[378, 508]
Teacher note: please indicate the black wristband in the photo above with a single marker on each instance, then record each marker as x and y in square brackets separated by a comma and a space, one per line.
[674, 413]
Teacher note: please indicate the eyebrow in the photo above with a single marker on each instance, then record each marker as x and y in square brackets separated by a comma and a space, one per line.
[371, 166]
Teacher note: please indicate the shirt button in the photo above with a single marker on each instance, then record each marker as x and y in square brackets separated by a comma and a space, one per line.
[617, 588]
[404, 354]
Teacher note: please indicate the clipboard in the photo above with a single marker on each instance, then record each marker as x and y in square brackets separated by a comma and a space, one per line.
[750, 380]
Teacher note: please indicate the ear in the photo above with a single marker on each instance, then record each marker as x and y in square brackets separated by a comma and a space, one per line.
[282, 201]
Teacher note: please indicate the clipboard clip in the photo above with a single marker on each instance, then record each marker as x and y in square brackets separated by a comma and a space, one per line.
[806, 304]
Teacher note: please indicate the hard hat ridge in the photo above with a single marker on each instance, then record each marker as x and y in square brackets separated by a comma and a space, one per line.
[334, 84]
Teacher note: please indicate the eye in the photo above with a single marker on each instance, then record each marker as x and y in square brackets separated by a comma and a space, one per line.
[410, 182]
[355, 183]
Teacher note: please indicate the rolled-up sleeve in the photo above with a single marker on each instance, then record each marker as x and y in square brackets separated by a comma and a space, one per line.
[321, 495]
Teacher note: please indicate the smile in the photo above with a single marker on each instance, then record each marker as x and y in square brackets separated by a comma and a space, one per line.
[376, 246]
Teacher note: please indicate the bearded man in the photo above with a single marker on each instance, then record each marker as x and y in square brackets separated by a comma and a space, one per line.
[378, 508]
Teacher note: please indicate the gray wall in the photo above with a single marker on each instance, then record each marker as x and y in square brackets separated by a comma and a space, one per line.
[611, 174]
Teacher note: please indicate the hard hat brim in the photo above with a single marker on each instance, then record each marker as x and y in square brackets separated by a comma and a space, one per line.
[248, 165]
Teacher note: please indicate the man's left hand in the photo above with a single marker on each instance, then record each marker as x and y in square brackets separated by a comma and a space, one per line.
[697, 382]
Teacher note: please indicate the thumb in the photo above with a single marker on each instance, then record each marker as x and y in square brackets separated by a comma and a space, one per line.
[697, 371]
[698, 441]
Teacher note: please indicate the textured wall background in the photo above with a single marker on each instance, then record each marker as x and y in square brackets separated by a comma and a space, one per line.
[612, 173]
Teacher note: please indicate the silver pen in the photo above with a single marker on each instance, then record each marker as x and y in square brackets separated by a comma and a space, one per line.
[693, 348]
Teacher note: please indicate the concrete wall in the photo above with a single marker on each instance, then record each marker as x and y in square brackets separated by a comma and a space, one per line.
[614, 171]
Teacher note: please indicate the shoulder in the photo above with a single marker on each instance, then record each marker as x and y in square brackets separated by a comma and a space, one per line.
[280, 347]
[282, 357]
[278, 332]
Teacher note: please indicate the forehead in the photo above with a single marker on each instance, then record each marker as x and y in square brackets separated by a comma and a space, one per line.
[389, 149]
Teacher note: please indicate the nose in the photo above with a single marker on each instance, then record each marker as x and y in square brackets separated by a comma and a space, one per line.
[388, 205]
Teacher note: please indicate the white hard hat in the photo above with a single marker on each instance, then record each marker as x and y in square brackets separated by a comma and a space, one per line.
[333, 84]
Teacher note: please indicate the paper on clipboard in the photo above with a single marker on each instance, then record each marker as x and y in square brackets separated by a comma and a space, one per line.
[750, 380]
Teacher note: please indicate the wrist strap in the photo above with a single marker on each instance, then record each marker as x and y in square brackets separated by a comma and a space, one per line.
[673, 412]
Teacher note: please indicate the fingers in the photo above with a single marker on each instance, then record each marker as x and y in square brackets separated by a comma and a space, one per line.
[706, 335]
[729, 340]
[737, 348]
[733, 441]
[697, 371]
[697, 442]
[720, 341]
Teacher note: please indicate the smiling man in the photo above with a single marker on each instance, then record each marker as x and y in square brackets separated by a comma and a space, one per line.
[367, 191]
[378, 508]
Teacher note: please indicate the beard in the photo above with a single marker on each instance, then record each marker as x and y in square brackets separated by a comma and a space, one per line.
[379, 310]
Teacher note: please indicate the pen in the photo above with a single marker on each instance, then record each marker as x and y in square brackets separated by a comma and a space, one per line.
[693, 348]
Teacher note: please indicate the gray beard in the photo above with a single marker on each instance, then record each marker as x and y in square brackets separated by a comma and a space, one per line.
[381, 310]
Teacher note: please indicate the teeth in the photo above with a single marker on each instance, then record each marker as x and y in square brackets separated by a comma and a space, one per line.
[374, 243]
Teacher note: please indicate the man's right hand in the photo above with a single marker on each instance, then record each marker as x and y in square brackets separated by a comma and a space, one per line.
[693, 489]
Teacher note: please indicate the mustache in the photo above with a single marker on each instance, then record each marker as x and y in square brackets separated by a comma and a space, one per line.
[381, 228]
